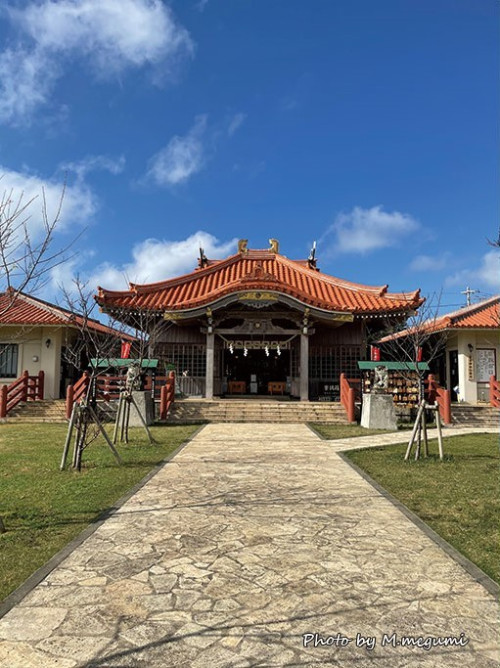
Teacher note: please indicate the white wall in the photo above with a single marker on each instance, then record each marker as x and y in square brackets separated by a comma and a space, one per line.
[471, 390]
[34, 355]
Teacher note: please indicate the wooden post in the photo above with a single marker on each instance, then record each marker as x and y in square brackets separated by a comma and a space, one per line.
[3, 401]
[26, 380]
[68, 438]
[70, 393]
[413, 433]
[446, 407]
[41, 384]
[351, 406]
[424, 433]
[163, 402]
[118, 415]
[440, 435]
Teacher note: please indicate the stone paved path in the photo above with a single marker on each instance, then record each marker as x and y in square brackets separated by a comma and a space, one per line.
[251, 537]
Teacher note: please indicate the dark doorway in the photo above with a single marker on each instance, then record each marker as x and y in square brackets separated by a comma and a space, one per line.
[257, 369]
[453, 359]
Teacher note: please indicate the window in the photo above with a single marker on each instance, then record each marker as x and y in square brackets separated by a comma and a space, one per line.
[8, 360]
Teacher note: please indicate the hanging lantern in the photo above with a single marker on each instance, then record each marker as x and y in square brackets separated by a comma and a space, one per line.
[245, 352]
[231, 349]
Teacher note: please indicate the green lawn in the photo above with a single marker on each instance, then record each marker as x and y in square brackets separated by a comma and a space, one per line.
[333, 431]
[44, 508]
[459, 497]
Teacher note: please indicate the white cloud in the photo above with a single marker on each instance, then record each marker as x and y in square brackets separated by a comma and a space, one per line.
[365, 230]
[78, 206]
[93, 163]
[112, 35]
[181, 158]
[155, 260]
[235, 123]
[430, 263]
[26, 79]
[487, 273]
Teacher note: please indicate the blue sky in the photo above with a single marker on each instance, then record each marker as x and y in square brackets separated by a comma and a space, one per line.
[370, 127]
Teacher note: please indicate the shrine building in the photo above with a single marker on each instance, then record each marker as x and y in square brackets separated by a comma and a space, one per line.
[258, 323]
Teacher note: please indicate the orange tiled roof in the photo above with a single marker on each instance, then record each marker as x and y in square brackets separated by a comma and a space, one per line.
[259, 270]
[484, 315]
[26, 310]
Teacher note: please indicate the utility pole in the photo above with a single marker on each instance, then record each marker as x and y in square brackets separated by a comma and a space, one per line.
[468, 293]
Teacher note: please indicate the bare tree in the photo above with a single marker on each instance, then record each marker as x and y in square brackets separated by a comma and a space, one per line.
[26, 256]
[418, 340]
[92, 343]
[421, 340]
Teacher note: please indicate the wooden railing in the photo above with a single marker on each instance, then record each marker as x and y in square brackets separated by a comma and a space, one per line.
[108, 387]
[437, 394]
[25, 388]
[348, 397]
[167, 395]
[76, 392]
[494, 392]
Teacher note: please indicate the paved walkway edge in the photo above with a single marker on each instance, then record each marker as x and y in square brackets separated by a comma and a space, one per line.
[479, 575]
[35, 578]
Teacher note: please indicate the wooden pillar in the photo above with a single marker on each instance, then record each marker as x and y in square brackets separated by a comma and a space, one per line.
[304, 367]
[209, 375]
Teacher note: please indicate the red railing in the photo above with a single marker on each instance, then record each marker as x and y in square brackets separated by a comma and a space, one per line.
[494, 392]
[25, 388]
[109, 387]
[167, 395]
[348, 397]
[437, 394]
[76, 392]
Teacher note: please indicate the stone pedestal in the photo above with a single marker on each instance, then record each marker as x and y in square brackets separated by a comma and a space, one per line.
[146, 405]
[378, 412]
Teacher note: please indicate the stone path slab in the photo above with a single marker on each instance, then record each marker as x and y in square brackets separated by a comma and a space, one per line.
[257, 545]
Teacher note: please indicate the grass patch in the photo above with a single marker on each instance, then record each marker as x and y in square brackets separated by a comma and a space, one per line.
[335, 431]
[458, 498]
[44, 508]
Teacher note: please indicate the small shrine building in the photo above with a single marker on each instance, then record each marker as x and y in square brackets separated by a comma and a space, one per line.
[258, 323]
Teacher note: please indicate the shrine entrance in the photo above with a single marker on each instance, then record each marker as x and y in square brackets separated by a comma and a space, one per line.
[256, 372]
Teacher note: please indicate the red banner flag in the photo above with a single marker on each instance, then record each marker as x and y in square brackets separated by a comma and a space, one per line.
[125, 352]
[375, 354]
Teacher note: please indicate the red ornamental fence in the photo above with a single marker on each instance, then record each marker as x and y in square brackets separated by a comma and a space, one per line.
[108, 387]
[348, 397]
[437, 394]
[494, 392]
[25, 388]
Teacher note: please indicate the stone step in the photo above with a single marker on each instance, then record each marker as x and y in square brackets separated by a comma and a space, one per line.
[256, 411]
[475, 416]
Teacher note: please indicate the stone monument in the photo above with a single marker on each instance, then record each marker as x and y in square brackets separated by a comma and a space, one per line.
[378, 407]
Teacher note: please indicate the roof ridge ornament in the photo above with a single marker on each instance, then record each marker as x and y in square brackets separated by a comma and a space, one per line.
[259, 274]
[243, 246]
[275, 245]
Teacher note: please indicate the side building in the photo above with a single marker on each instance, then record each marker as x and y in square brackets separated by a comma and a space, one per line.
[259, 323]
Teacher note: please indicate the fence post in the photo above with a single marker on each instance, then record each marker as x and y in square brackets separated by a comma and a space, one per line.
[163, 402]
[351, 407]
[446, 406]
[70, 391]
[41, 385]
[3, 401]
[26, 380]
